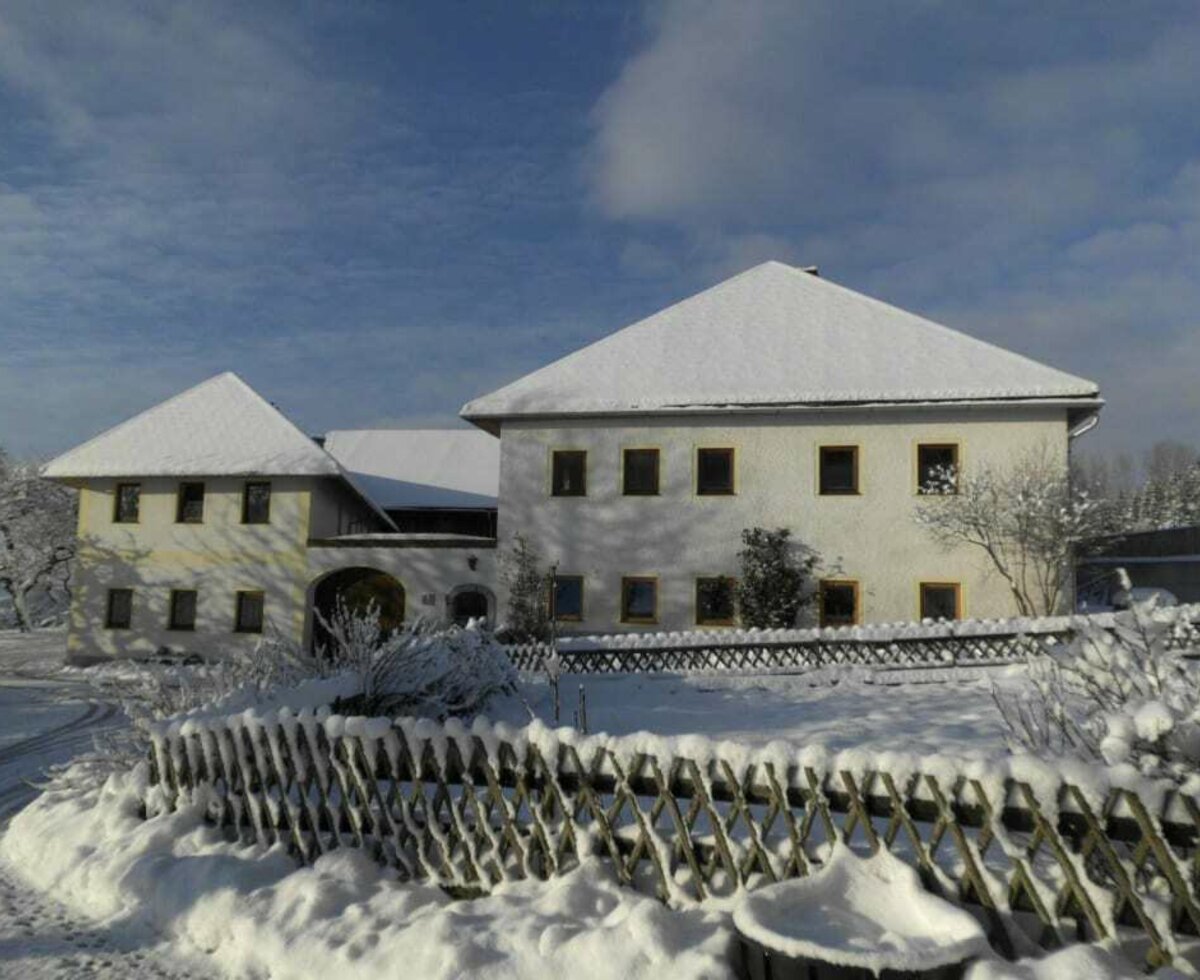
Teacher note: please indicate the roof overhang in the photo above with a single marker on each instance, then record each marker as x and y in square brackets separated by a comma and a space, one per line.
[1078, 409]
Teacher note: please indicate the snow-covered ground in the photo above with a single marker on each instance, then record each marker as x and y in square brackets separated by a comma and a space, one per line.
[88, 888]
[919, 711]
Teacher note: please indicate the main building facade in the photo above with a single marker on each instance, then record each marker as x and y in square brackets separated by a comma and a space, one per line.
[774, 399]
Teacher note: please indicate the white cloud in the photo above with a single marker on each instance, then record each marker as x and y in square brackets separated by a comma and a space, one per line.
[1016, 171]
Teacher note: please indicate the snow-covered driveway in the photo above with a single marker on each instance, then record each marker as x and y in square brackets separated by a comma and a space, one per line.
[47, 717]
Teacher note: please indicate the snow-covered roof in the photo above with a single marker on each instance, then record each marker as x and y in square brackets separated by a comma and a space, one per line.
[421, 467]
[220, 427]
[776, 336]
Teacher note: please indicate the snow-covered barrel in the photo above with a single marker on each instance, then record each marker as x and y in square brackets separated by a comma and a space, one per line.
[855, 918]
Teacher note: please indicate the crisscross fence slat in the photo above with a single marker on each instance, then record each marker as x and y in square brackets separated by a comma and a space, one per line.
[824, 649]
[1043, 861]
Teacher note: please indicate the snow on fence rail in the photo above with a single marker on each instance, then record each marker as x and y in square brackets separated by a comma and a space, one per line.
[966, 642]
[1042, 858]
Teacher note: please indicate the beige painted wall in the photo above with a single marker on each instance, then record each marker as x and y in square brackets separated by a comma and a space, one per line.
[222, 556]
[678, 535]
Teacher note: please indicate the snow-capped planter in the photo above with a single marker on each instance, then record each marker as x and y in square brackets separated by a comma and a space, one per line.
[855, 918]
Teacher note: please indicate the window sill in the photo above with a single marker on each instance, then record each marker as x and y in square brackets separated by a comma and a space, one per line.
[181, 629]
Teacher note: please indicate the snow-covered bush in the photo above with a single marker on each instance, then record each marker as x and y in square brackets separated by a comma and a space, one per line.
[774, 584]
[1115, 695]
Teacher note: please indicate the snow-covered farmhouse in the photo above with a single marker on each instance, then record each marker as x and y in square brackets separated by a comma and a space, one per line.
[773, 399]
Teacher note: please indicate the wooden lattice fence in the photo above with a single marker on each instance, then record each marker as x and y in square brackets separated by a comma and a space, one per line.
[650, 654]
[1042, 861]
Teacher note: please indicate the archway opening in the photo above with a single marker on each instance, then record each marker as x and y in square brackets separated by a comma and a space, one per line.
[357, 588]
[467, 604]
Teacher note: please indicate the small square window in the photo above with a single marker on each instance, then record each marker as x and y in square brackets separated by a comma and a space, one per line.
[249, 615]
[839, 603]
[639, 600]
[190, 506]
[568, 473]
[127, 504]
[714, 472]
[640, 472]
[119, 615]
[183, 609]
[256, 503]
[568, 598]
[940, 600]
[714, 601]
[937, 468]
[839, 470]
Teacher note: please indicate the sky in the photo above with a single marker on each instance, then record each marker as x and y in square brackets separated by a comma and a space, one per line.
[374, 212]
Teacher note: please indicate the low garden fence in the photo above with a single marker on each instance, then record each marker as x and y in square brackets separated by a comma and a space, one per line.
[1043, 860]
[976, 643]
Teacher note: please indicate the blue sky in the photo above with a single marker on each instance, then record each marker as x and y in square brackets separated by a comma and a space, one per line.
[376, 211]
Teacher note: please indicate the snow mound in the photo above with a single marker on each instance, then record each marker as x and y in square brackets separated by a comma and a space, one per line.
[870, 913]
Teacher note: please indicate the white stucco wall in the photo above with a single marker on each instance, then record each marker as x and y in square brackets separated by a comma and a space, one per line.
[679, 536]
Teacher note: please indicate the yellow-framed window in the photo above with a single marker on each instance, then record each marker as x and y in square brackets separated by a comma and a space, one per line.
[940, 600]
[838, 602]
[715, 600]
[837, 471]
[639, 599]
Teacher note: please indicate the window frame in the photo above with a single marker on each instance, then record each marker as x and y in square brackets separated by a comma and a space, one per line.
[823, 585]
[856, 470]
[733, 481]
[237, 611]
[657, 491]
[179, 500]
[732, 600]
[246, 500]
[172, 625]
[626, 582]
[558, 618]
[116, 515]
[555, 452]
[939, 584]
[941, 444]
[109, 624]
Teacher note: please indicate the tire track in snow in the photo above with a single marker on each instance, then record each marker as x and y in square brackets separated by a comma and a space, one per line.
[96, 711]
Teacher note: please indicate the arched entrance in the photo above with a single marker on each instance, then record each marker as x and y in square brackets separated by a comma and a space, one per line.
[357, 588]
[467, 604]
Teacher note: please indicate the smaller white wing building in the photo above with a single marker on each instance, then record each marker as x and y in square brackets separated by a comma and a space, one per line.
[774, 399]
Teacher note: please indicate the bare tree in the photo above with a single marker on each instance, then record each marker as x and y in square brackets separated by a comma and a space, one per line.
[1028, 521]
[37, 536]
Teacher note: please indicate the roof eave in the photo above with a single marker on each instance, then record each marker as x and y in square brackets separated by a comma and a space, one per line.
[492, 421]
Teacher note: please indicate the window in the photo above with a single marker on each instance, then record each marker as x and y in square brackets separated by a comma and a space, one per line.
[127, 503]
[839, 603]
[940, 600]
[640, 472]
[714, 472]
[568, 473]
[639, 600]
[937, 468]
[190, 506]
[256, 503]
[568, 598]
[839, 470]
[120, 609]
[249, 615]
[183, 610]
[714, 602]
